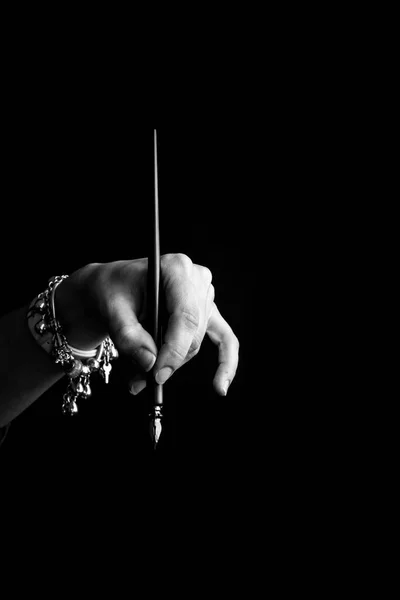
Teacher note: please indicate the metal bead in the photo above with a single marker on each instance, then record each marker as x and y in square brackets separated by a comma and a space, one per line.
[85, 369]
[88, 391]
[93, 364]
[41, 306]
[41, 328]
[114, 352]
[75, 369]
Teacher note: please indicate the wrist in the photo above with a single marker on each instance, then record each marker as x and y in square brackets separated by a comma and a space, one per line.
[76, 313]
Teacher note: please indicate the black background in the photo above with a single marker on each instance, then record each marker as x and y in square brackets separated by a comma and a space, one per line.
[264, 201]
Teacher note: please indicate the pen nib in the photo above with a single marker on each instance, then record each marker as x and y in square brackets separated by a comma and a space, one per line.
[155, 425]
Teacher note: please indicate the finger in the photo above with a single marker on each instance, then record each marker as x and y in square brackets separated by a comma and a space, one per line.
[137, 384]
[128, 334]
[222, 335]
[202, 329]
[182, 328]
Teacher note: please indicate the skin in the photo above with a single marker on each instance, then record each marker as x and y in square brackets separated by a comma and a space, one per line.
[110, 299]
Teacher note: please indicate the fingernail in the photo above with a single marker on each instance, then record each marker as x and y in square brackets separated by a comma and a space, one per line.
[225, 387]
[137, 386]
[163, 374]
[146, 359]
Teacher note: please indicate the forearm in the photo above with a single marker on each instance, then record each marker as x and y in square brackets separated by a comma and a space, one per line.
[26, 370]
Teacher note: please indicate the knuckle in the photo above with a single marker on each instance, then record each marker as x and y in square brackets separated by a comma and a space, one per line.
[191, 318]
[176, 352]
[206, 274]
[183, 259]
[178, 261]
[167, 258]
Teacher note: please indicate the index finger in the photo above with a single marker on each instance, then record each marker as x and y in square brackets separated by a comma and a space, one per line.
[183, 323]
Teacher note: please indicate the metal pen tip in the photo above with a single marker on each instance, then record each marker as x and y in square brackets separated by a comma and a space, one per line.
[155, 425]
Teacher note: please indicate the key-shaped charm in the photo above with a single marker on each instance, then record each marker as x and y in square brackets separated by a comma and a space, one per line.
[106, 371]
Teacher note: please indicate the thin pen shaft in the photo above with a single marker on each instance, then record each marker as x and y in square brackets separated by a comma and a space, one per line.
[153, 301]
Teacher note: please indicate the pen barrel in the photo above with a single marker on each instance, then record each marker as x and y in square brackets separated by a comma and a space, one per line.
[153, 281]
[153, 275]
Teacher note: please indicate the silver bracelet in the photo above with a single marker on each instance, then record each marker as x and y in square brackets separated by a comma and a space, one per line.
[77, 364]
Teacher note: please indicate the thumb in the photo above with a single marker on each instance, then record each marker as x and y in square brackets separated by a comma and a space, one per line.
[128, 335]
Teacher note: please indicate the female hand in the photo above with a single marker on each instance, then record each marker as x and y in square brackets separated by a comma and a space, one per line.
[110, 299]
